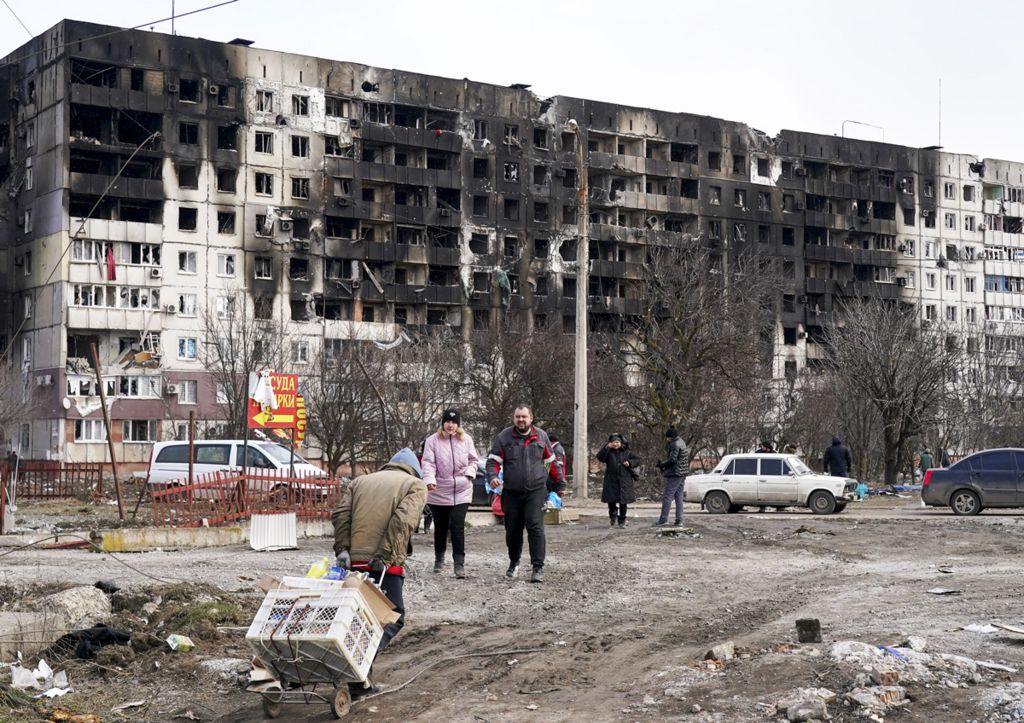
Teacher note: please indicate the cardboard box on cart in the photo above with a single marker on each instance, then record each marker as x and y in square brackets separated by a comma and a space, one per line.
[382, 608]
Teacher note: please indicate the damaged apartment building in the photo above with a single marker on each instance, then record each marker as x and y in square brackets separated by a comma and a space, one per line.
[147, 177]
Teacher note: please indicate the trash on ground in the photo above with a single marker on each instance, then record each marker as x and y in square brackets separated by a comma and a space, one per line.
[944, 591]
[1010, 628]
[975, 628]
[129, 704]
[85, 644]
[180, 643]
[42, 678]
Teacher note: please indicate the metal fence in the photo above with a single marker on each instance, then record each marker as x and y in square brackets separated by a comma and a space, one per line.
[45, 479]
[221, 498]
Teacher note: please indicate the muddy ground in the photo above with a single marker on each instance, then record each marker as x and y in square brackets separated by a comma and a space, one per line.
[621, 624]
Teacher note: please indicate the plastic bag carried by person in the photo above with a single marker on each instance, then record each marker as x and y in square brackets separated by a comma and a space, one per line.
[554, 501]
[496, 506]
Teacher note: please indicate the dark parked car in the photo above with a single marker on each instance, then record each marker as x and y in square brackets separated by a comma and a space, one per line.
[992, 478]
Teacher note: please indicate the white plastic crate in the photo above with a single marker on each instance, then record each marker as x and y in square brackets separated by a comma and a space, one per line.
[312, 636]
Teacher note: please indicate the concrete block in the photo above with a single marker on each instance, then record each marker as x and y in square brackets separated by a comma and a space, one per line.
[79, 607]
[723, 651]
[142, 539]
[28, 633]
[482, 518]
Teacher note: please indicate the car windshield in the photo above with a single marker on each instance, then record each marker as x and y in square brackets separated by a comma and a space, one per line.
[797, 465]
[281, 453]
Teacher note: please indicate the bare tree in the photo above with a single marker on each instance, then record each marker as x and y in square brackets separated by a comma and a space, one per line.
[882, 355]
[17, 402]
[237, 344]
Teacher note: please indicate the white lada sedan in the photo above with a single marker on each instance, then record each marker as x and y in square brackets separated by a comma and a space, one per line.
[768, 480]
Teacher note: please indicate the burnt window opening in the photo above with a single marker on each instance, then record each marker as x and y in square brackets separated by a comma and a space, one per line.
[401, 276]
[88, 72]
[510, 209]
[787, 169]
[714, 160]
[739, 198]
[227, 180]
[298, 269]
[437, 317]
[540, 175]
[262, 228]
[372, 153]
[337, 310]
[264, 101]
[224, 96]
[300, 146]
[338, 269]
[300, 187]
[300, 105]
[409, 196]
[480, 168]
[408, 117]
[342, 187]
[401, 315]
[339, 227]
[683, 153]
[442, 276]
[263, 268]
[449, 198]
[540, 138]
[410, 236]
[568, 142]
[263, 307]
[135, 128]
[264, 142]
[264, 184]
[788, 303]
[763, 167]
[481, 281]
[689, 188]
[226, 222]
[541, 286]
[188, 133]
[764, 201]
[438, 161]
[511, 171]
[479, 130]
[569, 288]
[790, 370]
[511, 247]
[909, 217]
[885, 211]
[300, 228]
[332, 146]
[570, 178]
[369, 313]
[299, 310]
[337, 107]
[188, 90]
[739, 232]
[714, 228]
[188, 218]
[511, 137]
[227, 138]
[541, 246]
[479, 243]
[481, 320]
[739, 163]
[568, 214]
[764, 233]
[715, 195]
[513, 284]
[789, 336]
[140, 211]
[788, 236]
[541, 211]
[369, 194]
[567, 251]
[377, 113]
[886, 179]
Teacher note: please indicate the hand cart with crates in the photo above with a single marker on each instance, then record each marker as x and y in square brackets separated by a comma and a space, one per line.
[316, 636]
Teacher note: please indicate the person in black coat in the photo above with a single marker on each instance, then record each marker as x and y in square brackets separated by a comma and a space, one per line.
[837, 459]
[621, 471]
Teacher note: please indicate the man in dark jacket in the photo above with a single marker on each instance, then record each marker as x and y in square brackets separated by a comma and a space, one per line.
[675, 467]
[523, 453]
[837, 460]
[621, 472]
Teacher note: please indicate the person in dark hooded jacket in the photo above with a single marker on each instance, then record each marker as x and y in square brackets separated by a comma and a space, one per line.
[837, 459]
[621, 471]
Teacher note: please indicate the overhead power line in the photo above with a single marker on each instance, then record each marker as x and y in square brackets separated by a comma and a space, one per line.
[18, 19]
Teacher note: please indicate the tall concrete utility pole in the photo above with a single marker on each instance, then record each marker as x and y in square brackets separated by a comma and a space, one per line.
[580, 449]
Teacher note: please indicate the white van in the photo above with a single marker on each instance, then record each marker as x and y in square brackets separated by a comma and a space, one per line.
[169, 462]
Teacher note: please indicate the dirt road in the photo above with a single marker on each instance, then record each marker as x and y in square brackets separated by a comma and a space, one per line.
[625, 617]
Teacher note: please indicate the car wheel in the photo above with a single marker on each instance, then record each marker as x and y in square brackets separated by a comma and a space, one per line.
[965, 502]
[717, 502]
[822, 502]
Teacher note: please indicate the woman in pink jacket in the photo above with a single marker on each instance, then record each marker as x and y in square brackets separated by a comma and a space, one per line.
[449, 468]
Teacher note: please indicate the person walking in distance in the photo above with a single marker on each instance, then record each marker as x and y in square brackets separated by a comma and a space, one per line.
[621, 471]
[373, 525]
[837, 459]
[523, 453]
[674, 469]
[559, 450]
[449, 468]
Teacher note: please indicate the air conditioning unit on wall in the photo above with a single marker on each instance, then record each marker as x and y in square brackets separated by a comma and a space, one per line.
[214, 89]
[171, 388]
[286, 224]
[156, 273]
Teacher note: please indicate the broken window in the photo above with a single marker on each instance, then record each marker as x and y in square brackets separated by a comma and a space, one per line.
[511, 209]
[540, 248]
[299, 310]
[540, 175]
[788, 202]
[188, 218]
[188, 133]
[511, 246]
[569, 178]
[225, 264]
[478, 243]
[511, 171]
[968, 192]
[187, 262]
[714, 160]
[909, 217]
[764, 201]
[480, 168]
[227, 179]
[377, 113]
[262, 228]
[224, 96]
[369, 313]
[787, 169]
[438, 161]
[300, 228]
[338, 269]
[568, 214]
[540, 138]
[740, 198]
[339, 227]
[479, 130]
[263, 267]
[300, 187]
[886, 179]
[763, 167]
[227, 137]
[264, 142]
[540, 211]
[569, 288]
[437, 317]
[263, 307]
[300, 146]
[342, 187]
[264, 184]
[928, 188]
[225, 221]
[969, 222]
[788, 236]
[298, 269]
[449, 198]
[739, 163]
[300, 105]
[511, 135]
[714, 228]
[739, 232]
[337, 107]
[950, 220]
[763, 233]
[264, 101]
[88, 72]
[188, 176]
[715, 197]
[188, 90]
[683, 153]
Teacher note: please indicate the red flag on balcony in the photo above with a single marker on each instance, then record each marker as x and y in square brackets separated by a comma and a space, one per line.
[111, 270]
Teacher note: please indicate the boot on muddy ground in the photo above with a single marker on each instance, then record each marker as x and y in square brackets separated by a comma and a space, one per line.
[438, 563]
[460, 567]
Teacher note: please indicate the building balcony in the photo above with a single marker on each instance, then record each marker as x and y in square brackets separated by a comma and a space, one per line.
[95, 184]
[154, 102]
[92, 317]
[627, 165]
[421, 137]
[106, 230]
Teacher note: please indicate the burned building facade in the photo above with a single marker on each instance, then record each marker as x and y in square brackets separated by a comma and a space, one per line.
[147, 178]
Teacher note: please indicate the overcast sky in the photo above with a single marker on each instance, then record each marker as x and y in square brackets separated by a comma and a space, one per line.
[784, 64]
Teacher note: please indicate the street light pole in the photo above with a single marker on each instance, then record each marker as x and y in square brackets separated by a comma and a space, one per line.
[580, 448]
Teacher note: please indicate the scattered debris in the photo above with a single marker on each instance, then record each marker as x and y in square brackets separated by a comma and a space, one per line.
[180, 643]
[915, 643]
[808, 630]
[126, 706]
[946, 569]
[81, 606]
[42, 678]
[944, 591]
[1009, 628]
[878, 697]
[995, 666]
[975, 628]
[721, 652]
[807, 710]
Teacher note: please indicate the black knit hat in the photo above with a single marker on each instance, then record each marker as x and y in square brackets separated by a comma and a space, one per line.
[451, 415]
[671, 432]
[616, 435]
